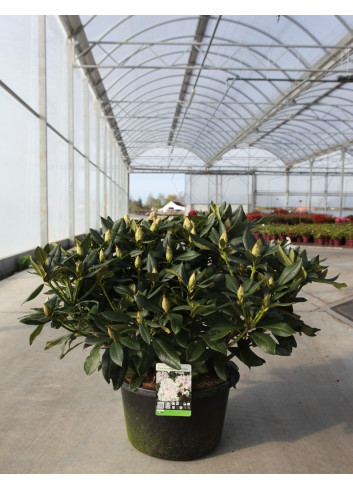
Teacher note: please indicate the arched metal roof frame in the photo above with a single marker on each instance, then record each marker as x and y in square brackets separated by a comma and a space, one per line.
[261, 72]
[134, 125]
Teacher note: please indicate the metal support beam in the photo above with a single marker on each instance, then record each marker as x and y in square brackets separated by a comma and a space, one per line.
[87, 169]
[310, 184]
[43, 153]
[343, 154]
[326, 188]
[70, 145]
[287, 187]
[253, 191]
[98, 154]
[199, 34]
[105, 198]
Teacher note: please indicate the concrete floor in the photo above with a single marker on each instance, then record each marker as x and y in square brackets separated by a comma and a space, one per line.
[294, 415]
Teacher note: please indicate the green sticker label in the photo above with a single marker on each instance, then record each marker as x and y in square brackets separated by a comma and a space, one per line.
[173, 390]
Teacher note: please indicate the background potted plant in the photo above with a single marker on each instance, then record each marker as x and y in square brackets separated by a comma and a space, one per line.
[197, 290]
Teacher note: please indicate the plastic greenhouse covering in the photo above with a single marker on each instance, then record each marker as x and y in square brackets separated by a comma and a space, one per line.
[256, 110]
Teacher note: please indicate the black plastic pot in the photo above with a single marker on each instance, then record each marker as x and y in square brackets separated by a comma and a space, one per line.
[175, 438]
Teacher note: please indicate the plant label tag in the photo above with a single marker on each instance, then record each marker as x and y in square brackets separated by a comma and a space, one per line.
[173, 390]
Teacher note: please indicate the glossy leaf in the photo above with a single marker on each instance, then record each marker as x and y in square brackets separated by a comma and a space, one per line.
[35, 333]
[116, 353]
[279, 329]
[264, 342]
[195, 350]
[92, 361]
[34, 294]
[166, 353]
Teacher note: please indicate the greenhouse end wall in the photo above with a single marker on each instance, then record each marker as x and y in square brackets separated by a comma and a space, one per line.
[60, 164]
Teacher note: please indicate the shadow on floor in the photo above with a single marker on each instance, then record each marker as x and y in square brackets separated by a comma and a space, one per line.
[306, 401]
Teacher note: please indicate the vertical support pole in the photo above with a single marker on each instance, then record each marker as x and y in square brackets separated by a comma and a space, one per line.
[111, 175]
[253, 191]
[190, 190]
[310, 185]
[115, 186]
[105, 202]
[217, 188]
[98, 154]
[43, 150]
[127, 190]
[326, 189]
[343, 154]
[86, 136]
[70, 130]
[287, 187]
[247, 192]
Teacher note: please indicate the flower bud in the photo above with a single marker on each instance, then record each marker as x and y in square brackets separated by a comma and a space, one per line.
[166, 305]
[192, 282]
[187, 224]
[256, 249]
[139, 235]
[267, 301]
[101, 256]
[155, 224]
[111, 333]
[79, 248]
[240, 293]
[47, 310]
[227, 223]
[126, 219]
[138, 262]
[271, 281]
[169, 254]
[139, 317]
[107, 235]
[79, 268]
[132, 287]
[118, 252]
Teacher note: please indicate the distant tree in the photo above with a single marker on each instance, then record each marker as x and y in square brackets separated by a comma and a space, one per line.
[155, 202]
[171, 198]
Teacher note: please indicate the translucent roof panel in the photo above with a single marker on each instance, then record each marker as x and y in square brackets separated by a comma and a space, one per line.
[209, 84]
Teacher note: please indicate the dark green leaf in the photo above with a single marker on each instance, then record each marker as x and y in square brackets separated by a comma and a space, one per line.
[195, 350]
[165, 352]
[136, 381]
[246, 355]
[290, 272]
[176, 321]
[145, 334]
[220, 367]
[146, 303]
[264, 342]
[40, 255]
[129, 343]
[248, 239]
[35, 333]
[279, 329]
[188, 256]
[34, 293]
[118, 317]
[217, 345]
[201, 243]
[106, 365]
[92, 361]
[232, 283]
[117, 353]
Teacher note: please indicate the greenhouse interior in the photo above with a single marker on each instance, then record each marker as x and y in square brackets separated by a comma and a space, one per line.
[252, 110]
